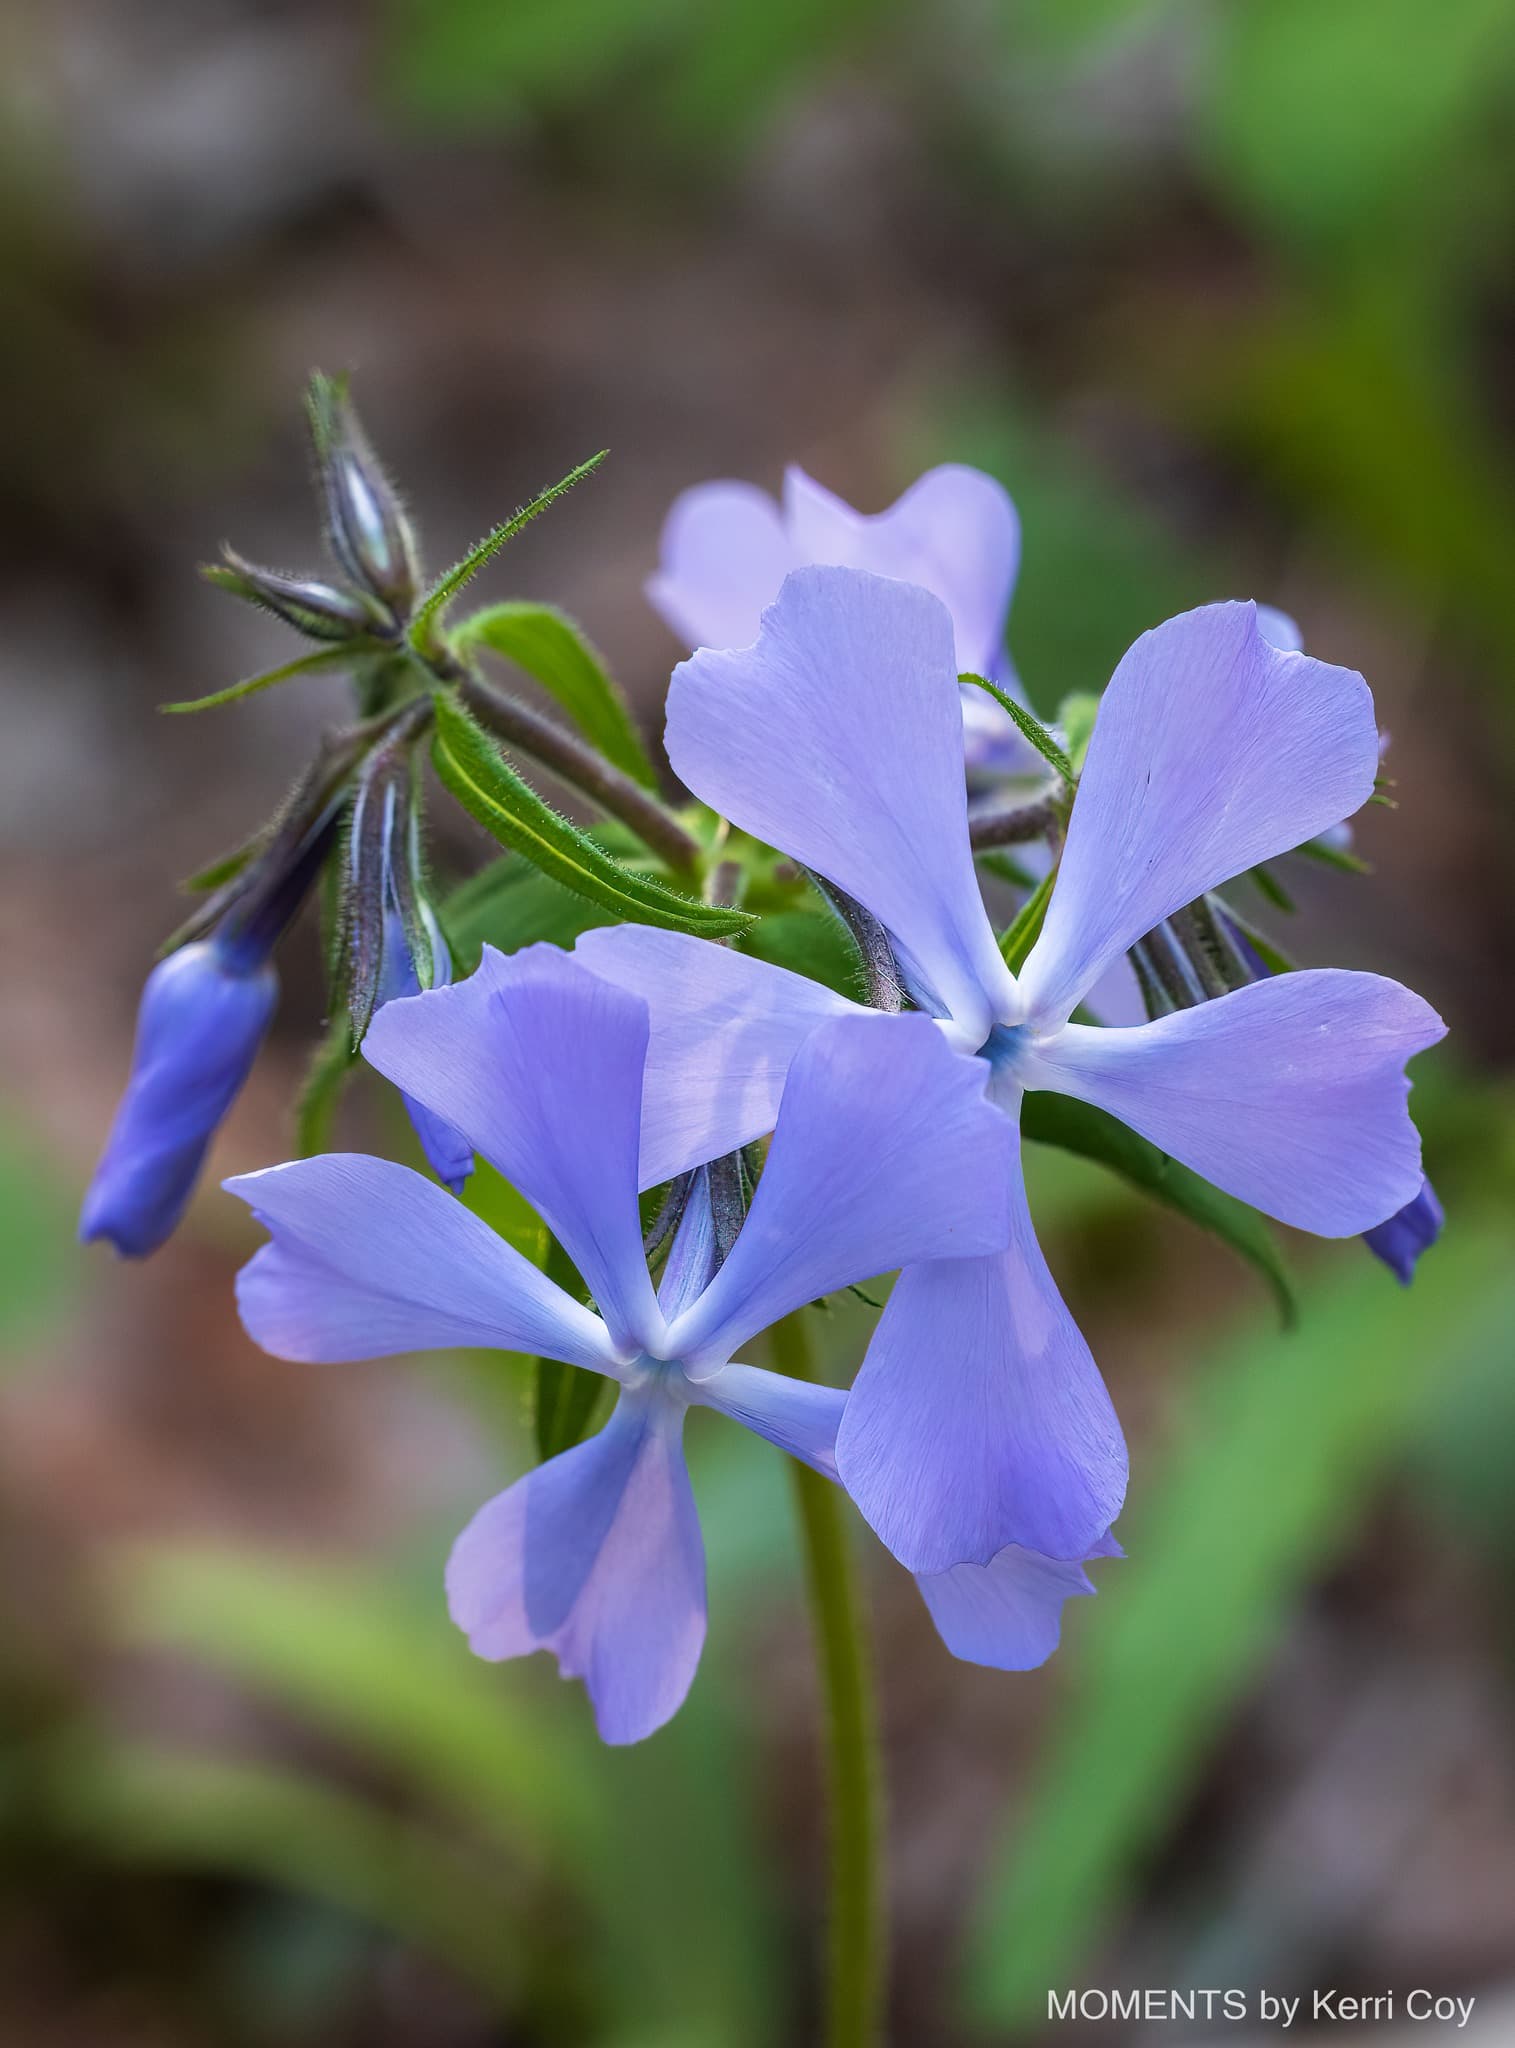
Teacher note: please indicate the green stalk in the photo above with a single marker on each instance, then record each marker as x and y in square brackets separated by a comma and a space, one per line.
[856, 1920]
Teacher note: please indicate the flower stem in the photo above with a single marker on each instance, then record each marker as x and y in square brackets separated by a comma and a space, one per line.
[611, 788]
[856, 1924]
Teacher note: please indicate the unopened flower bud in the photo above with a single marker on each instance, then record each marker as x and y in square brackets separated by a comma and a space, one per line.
[1413, 1230]
[369, 530]
[319, 610]
[202, 1018]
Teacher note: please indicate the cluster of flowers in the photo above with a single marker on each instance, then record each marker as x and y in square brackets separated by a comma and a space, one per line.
[822, 714]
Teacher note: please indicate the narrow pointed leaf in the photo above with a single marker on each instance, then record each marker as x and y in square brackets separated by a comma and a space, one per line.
[331, 1068]
[1020, 936]
[324, 659]
[1031, 728]
[1078, 1127]
[1340, 857]
[553, 652]
[442, 592]
[488, 788]
[217, 873]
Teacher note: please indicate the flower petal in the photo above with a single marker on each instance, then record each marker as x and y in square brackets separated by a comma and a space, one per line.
[885, 1151]
[368, 1259]
[838, 738]
[1289, 1093]
[797, 1415]
[596, 1556]
[724, 1030]
[723, 554]
[539, 1064]
[1007, 1613]
[1409, 1232]
[1212, 751]
[954, 532]
[979, 1419]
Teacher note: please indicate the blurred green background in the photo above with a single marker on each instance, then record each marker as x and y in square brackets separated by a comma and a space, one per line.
[1223, 290]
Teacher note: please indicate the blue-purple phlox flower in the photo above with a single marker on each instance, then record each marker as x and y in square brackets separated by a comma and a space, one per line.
[202, 1017]
[979, 1419]
[884, 1151]
[726, 548]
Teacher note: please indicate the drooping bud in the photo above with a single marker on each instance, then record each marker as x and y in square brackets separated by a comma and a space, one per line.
[204, 1010]
[201, 1020]
[370, 535]
[319, 610]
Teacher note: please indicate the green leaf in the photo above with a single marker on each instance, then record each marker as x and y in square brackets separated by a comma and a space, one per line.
[323, 659]
[477, 774]
[1031, 728]
[1073, 1126]
[510, 904]
[1286, 1445]
[331, 1068]
[1271, 888]
[555, 653]
[1002, 864]
[566, 1396]
[1022, 934]
[1075, 717]
[435, 602]
[807, 942]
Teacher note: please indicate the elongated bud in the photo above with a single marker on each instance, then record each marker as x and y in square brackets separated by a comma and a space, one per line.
[392, 944]
[201, 1020]
[203, 1014]
[319, 610]
[370, 534]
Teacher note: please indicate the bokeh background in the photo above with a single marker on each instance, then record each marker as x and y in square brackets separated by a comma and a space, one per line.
[1223, 291]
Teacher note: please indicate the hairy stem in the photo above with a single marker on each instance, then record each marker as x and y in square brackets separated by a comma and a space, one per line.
[856, 1922]
[1014, 827]
[605, 785]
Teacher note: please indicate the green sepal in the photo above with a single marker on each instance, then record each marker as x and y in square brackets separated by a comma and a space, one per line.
[326, 1079]
[1075, 720]
[325, 397]
[1031, 728]
[323, 659]
[1073, 1126]
[1273, 957]
[1271, 888]
[997, 861]
[1022, 934]
[445, 589]
[1339, 857]
[553, 651]
[217, 873]
[472, 768]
